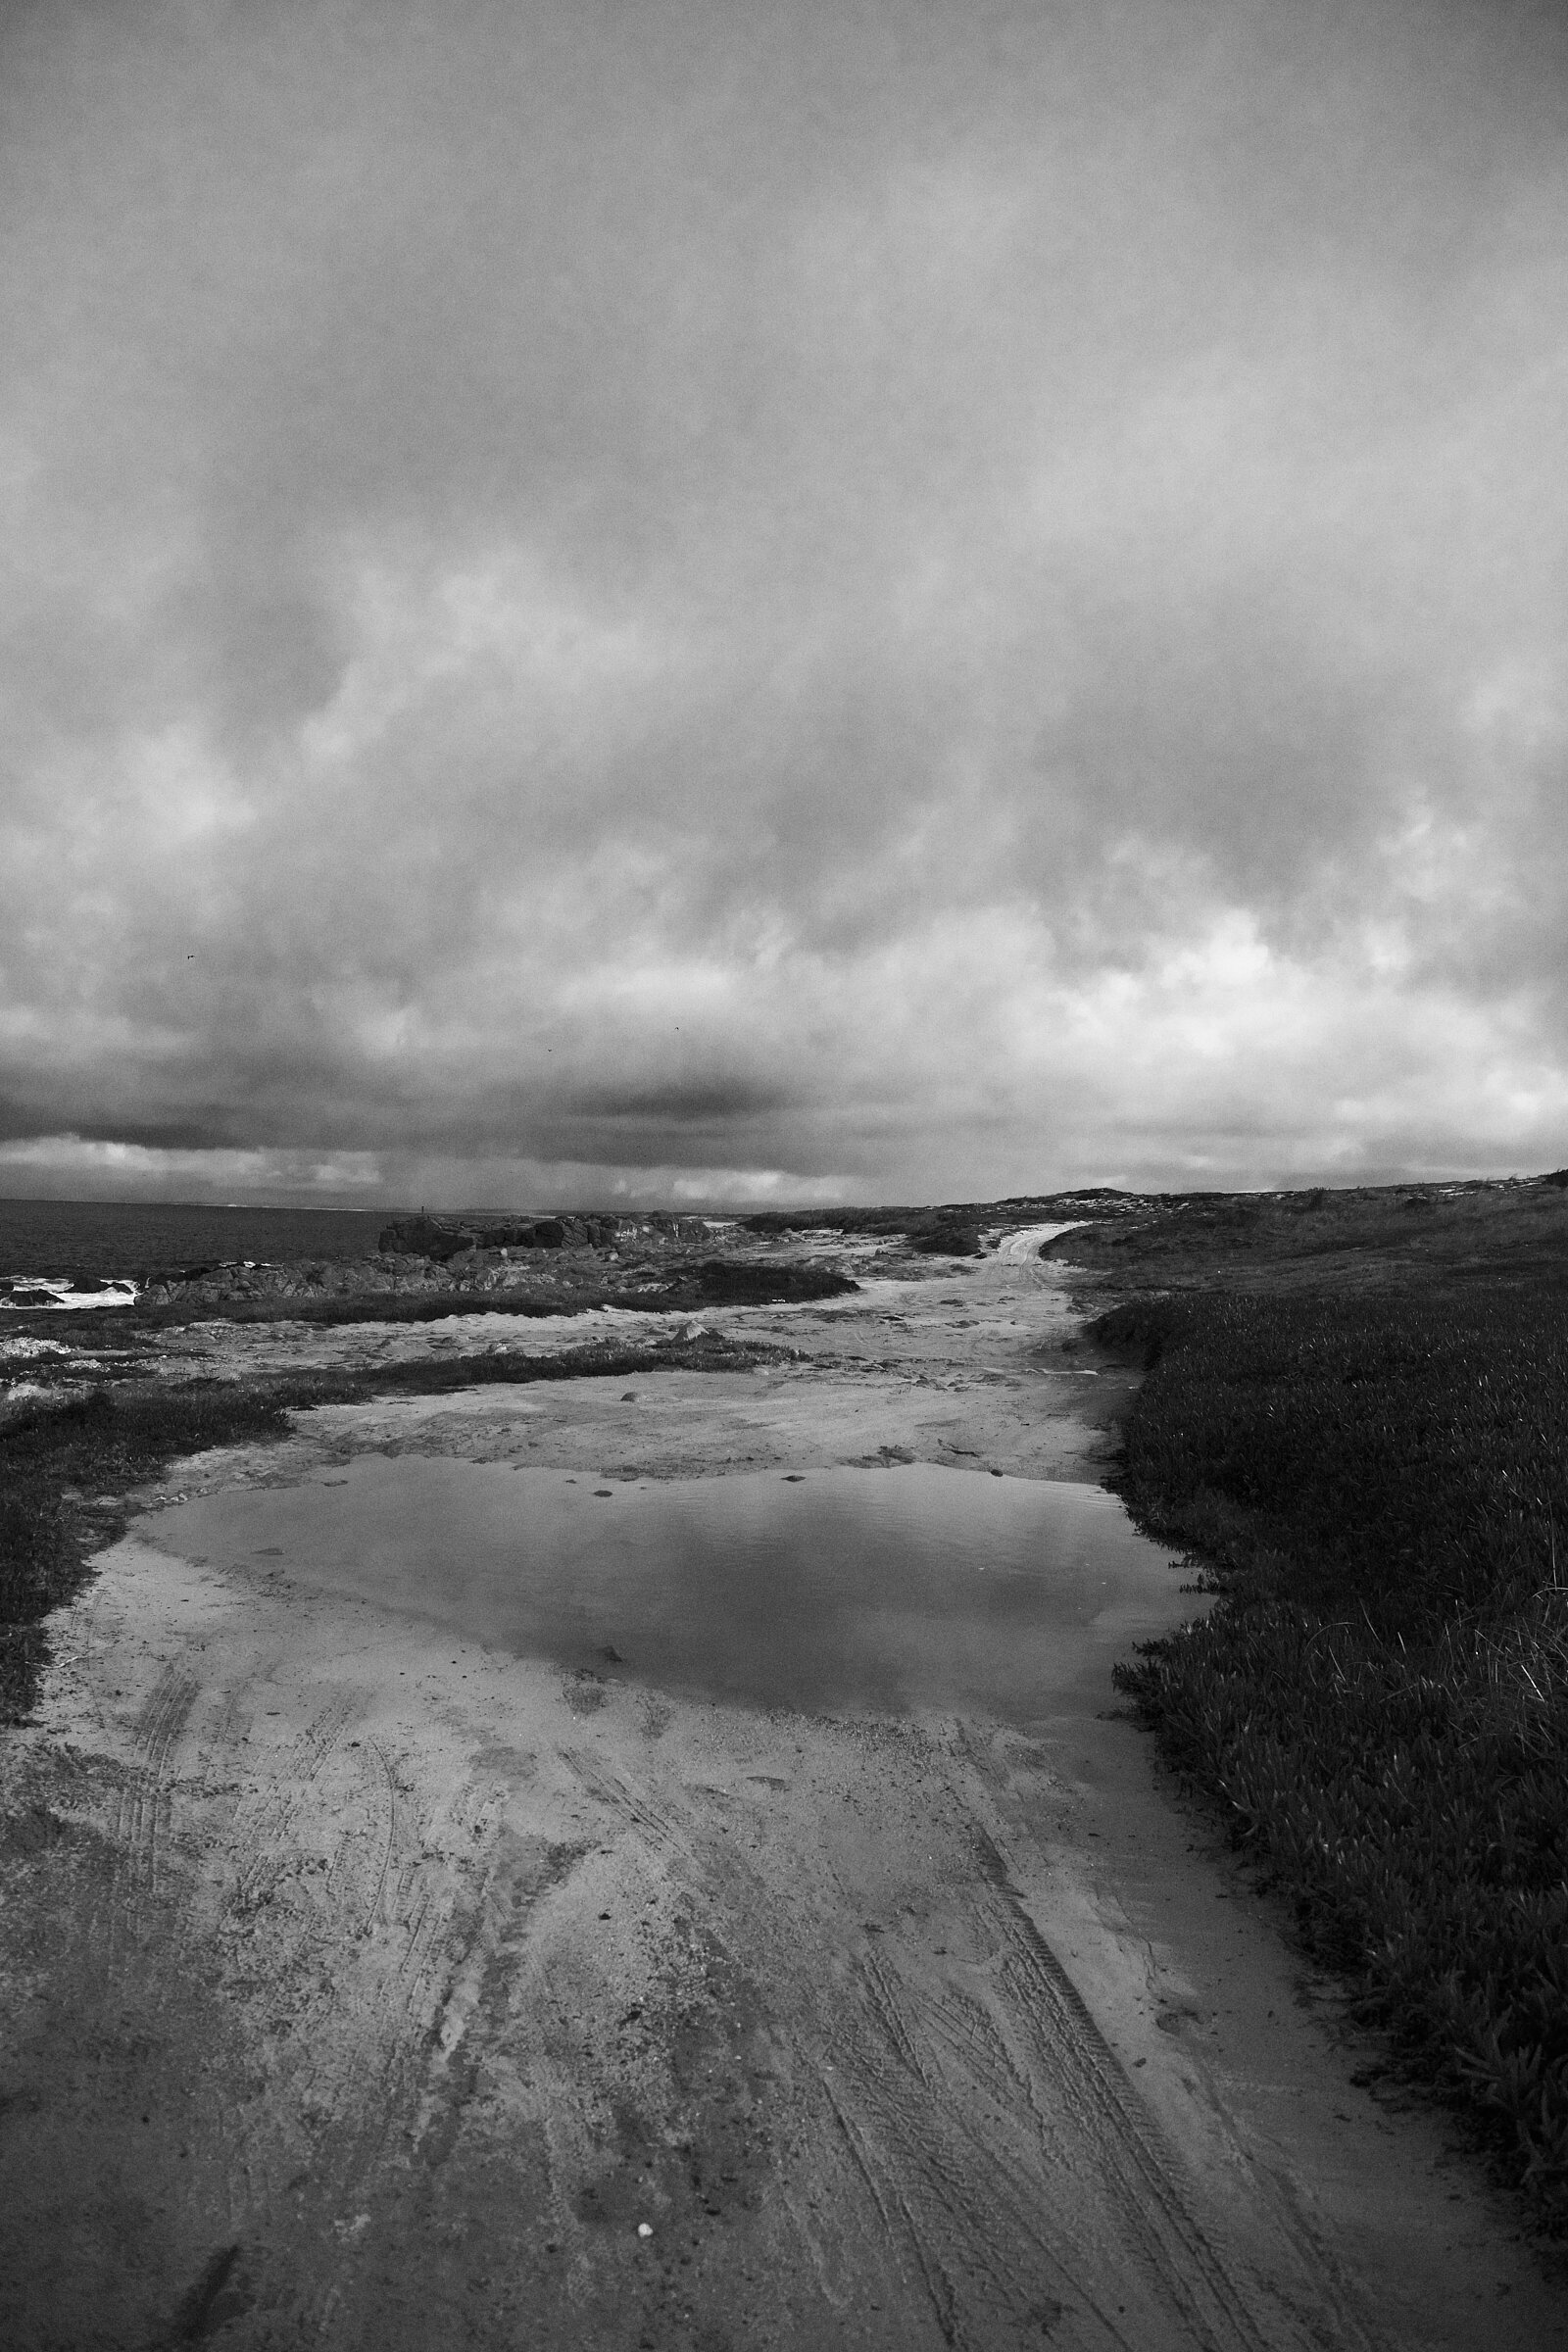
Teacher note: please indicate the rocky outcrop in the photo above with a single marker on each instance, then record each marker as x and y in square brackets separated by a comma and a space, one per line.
[480, 1280]
[545, 1275]
[307, 1278]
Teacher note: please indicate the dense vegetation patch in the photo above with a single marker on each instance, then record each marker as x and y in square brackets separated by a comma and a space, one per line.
[437, 1376]
[1414, 1235]
[1380, 1483]
[55, 1463]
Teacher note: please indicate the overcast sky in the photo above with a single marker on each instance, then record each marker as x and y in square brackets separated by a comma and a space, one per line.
[803, 600]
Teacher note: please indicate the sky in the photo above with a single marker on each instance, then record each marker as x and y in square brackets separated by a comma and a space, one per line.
[698, 602]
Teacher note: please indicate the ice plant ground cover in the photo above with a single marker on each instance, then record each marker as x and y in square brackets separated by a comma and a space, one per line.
[1377, 1479]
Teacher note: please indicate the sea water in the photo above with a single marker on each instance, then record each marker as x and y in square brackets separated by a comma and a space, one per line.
[110, 1238]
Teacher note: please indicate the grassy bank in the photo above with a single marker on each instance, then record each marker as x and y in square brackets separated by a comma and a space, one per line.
[1370, 1237]
[62, 1470]
[66, 1467]
[1378, 1481]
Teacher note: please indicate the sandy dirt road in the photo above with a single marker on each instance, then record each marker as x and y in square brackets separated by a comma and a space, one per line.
[366, 1985]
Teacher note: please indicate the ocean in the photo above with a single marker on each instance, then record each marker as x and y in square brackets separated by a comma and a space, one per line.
[130, 1238]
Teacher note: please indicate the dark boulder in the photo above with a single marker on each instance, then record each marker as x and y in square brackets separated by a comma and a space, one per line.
[720, 1282]
[425, 1237]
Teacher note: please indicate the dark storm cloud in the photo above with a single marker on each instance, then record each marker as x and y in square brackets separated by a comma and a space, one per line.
[709, 1104]
[933, 596]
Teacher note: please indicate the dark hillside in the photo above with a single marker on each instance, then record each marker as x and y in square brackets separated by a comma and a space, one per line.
[1510, 1233]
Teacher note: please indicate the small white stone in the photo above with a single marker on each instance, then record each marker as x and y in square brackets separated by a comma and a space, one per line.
[644, 2229]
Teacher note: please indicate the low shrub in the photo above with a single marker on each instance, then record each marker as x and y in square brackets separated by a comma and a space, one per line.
[731, 1282]
[949, 1240]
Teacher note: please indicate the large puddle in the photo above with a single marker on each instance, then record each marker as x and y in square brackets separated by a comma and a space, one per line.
[909, 1588]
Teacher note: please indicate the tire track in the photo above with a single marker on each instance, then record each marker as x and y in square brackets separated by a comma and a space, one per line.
[659, 1828]
[1014, 2167]
[989, 2273]
[366, 2065]
[1081, 2094]
[983, 2185]
[1120, 2139]
[1064, 2049]
[263, 1822]
[145, 1804]
[393, 2111]
[373, 1909]
[291, 1780]
[965, 2039]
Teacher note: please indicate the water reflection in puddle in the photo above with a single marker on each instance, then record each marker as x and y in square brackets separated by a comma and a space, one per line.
[840, 1590]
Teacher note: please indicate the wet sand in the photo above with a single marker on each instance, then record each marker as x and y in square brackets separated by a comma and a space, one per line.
[385, 1965]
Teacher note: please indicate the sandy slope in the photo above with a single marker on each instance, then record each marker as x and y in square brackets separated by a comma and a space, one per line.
[368, 1987]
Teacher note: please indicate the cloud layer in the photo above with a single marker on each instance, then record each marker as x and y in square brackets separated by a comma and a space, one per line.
[752, 601]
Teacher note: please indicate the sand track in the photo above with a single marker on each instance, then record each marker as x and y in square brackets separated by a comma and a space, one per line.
[370, 1988]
